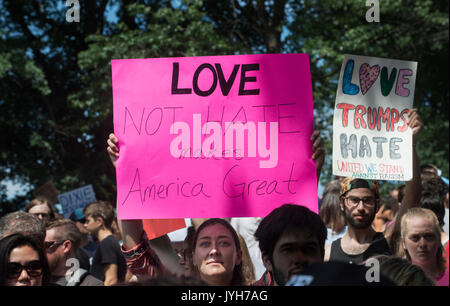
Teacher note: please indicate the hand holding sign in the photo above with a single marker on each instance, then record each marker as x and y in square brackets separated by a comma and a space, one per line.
[112, 149]
[414, 123]
[222, 136]
[319, 152]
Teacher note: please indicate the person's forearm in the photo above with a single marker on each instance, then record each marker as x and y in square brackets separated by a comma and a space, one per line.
[413, 193]
[110, 281]
[162, 246]
[131, 231]
[413, 188]
[318, 171]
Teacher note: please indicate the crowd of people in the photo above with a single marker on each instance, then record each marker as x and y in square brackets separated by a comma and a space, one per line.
[357, 238]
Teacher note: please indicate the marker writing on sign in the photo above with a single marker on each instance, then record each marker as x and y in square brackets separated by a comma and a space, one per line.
[256, 140]
[217, 73]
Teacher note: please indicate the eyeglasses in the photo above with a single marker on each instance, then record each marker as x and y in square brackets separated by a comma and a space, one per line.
[50, 244]
[43, 216]
[368, 202]
[33, 268]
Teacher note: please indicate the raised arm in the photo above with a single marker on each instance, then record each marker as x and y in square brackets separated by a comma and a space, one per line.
[413, 188]
[134, 239]
[318, 152]
[131, 230]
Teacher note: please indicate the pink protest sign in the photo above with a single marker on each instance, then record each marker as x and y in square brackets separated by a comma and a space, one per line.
[219, 136]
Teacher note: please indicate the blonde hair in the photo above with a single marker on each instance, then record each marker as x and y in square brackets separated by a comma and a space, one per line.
[430, 215]
[248, 268]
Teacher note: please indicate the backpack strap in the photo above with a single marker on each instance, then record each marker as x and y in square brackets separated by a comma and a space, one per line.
[77, 278]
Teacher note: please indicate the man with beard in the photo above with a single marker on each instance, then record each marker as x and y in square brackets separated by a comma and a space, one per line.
[361, 241]
[291, 238]
[61, 243]
[360, 201]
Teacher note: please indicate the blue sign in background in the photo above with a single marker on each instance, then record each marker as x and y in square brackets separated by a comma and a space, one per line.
[77, 198]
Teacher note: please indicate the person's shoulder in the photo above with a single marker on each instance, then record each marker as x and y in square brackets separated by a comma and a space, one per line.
[109, 244]
[91, 280]
[110, 240]
[379, 236]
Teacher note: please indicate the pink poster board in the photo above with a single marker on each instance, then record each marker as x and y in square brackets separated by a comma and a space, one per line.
[219, 136]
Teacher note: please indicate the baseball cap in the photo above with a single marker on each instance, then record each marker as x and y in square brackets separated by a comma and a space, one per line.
[424, 166]
[77, 215]
[350, 183]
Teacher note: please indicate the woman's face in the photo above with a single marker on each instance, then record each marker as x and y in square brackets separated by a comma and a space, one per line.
[24, 267]
[215, 255]
[42, 211]
[421, 240]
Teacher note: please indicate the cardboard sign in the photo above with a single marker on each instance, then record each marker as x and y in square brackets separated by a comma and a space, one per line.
[77, 198]
[155, 228]
[371, 138]
[223, 136]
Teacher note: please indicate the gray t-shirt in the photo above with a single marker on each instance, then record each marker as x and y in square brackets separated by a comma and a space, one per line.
[79, 278]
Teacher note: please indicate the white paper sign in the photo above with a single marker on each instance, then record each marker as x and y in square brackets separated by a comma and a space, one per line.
[371, 139]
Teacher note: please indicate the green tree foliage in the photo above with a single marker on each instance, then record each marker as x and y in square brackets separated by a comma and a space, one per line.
[39, 141]
[408, 30]
[56, 101]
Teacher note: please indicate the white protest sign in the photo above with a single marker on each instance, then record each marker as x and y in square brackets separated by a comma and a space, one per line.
[371, 139]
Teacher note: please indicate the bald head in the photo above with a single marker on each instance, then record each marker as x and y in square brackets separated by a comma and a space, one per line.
[24, 223]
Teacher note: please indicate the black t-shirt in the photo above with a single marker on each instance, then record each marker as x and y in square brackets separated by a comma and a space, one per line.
[378, 246]
[108, 252]
[83, 258]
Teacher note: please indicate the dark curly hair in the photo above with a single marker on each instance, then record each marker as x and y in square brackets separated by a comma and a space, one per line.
[285, 217]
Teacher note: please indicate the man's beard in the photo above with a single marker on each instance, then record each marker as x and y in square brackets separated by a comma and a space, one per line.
[278, 276]
[363, 224]
[54, 263]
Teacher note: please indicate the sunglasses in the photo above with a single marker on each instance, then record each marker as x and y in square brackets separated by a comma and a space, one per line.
[50, 244]
[33, 268]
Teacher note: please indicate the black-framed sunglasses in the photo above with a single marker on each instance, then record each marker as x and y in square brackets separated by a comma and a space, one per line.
[50, 244]
[33, 268]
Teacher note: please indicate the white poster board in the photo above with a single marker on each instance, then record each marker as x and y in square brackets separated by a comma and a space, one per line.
[371, 139]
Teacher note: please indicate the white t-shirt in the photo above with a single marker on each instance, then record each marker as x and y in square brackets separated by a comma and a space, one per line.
[446, 222]
[246, 227]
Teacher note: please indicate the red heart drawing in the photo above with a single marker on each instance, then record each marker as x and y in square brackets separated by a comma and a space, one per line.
[367, 76]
